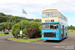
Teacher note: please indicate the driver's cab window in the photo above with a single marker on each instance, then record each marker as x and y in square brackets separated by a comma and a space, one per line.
[53, 26]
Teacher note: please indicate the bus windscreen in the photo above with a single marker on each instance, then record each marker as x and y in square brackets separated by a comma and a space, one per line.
[50, 26]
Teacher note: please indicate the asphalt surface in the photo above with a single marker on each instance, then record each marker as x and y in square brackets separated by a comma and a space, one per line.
[5, 37]
[66, 44]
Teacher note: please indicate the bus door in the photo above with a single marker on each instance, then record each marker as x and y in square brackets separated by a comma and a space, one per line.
[63, 31]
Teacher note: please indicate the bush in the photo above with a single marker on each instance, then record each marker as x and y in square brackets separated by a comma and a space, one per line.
[40, 30]
[31, 32]
[14, 28]
[36, 25]
[24, 32]
[17, 32]
[24, 37]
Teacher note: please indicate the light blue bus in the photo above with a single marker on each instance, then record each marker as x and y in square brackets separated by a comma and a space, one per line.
[54, 25]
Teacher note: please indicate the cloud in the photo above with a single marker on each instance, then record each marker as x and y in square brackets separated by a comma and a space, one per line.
[34, 8]
[32, 16]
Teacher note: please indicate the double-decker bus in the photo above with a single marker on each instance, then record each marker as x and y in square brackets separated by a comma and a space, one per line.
[54, 25]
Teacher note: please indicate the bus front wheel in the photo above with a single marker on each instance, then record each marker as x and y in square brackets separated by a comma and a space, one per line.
[47, 40]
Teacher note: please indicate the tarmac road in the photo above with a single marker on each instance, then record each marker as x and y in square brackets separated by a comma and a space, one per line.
[66, 44]
[5, 37]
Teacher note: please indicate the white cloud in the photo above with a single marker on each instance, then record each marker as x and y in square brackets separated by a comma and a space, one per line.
[14, 7]
[31, 16]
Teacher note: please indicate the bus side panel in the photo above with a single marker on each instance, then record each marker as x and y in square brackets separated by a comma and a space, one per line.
[64, 31]
[60, 37]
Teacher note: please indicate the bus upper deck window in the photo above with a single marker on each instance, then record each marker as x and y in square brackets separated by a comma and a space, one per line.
[45, 14]
[53, 14]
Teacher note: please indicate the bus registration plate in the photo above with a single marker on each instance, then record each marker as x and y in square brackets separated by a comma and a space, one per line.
[49, 38]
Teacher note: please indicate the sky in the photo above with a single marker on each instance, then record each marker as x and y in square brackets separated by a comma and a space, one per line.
[34, 8]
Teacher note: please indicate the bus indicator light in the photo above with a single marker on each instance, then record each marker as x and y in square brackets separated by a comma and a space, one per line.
[57, 33]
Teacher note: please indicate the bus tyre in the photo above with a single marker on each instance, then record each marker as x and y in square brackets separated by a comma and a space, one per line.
[62, 37]
[47, 40]
[66, 34]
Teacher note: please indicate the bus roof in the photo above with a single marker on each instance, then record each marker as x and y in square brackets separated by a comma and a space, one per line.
[52, 10]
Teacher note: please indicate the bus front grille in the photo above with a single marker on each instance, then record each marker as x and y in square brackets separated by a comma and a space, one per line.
[49, 34]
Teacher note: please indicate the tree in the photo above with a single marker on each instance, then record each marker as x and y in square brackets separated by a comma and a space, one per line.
[1, 26]
[14, 28]
[35, 25]
[2, 14]
[71, 27]
[24, 32]
[17, 32]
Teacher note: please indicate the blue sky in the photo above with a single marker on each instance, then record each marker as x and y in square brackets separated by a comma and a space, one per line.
[34, 8]
[71, 17]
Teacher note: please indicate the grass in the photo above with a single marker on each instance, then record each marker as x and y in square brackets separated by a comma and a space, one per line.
[25, 40]
[71, 31]
[2, 34]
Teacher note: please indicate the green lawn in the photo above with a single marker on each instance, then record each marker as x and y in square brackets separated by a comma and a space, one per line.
[25, 40]
[71, 31]
[2, 34]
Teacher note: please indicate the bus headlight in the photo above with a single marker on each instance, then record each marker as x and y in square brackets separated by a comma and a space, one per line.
[42, 34]
[57, 35]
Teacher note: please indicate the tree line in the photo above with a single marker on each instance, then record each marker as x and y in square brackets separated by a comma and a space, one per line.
[71, 27]
[7, 21]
